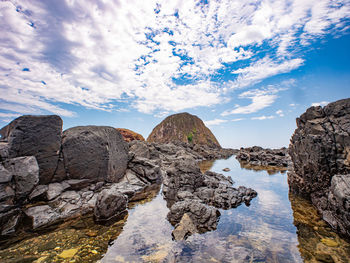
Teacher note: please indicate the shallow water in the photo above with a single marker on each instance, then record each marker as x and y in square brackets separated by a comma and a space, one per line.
[276, 227]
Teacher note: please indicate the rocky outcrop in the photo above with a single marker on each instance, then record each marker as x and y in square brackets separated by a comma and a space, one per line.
[258, 156]
[38, 136]
[183, 127]
[129, 135]
[105, 154]
[320, 151]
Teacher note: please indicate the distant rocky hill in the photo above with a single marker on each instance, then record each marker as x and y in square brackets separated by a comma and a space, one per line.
[183, 127]
[129, 135]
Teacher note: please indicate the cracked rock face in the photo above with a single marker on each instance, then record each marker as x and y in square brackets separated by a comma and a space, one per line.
[320, 149]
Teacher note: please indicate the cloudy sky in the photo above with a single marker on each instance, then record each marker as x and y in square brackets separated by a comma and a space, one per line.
[247, 68]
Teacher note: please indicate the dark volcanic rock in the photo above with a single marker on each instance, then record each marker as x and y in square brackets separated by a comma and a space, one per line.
[183, 127]
[97, 153]
[38, 136]
[25, 172]
[110, 203]
[320, 149]
[259, 156]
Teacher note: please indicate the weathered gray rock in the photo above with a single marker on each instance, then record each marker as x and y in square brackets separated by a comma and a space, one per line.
[6, 192]
[184, 229]
[25, 171]
[4, 150]
[38, 136]
[77, 184]
[97, 153]
[147, 170]
[204, 217]
[39, 193]
[5, 175]
[42, 216]
[259, 156]
[55, 189]
[9, 221]
[320, 149]
[110, 204]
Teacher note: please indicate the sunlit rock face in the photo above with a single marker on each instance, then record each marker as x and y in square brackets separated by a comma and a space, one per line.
[183, 127]
[320, 151]
[129, 135]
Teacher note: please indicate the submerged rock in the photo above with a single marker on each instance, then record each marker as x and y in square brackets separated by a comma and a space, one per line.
[320, 151]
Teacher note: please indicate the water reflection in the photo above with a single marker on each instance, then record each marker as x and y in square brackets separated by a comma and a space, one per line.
[317, 242]
[271, 170]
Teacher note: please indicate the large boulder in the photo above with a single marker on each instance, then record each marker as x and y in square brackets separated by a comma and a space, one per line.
[183, 127]
[97, 153]
[320, 149]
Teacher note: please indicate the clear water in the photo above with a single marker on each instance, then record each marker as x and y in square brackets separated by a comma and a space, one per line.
[262, 232]
[276, 227]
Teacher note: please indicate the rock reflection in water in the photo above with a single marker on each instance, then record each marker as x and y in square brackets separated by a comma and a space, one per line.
[79, 240]
[206, 165]
[317, 242]
[271, 170]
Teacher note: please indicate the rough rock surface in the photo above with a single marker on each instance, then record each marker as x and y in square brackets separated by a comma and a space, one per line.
[259, 156]
[183, 127]
[110, 203]
[320, 151]
[38, 136]
[97, 153]
[129, 135]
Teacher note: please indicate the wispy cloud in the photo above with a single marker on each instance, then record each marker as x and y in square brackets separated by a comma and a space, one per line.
[160, 56]
[238, 119]
[261, 118]
[261, 98]
[280, 113]
[214, 122]
[321, 103]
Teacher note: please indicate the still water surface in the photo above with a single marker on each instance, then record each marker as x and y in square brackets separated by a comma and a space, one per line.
[263, 232]
[276, 227]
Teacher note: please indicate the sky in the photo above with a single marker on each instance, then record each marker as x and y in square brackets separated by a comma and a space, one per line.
[248, 68]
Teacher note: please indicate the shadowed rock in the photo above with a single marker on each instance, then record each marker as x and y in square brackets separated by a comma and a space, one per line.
[38, 136]
[320, 151]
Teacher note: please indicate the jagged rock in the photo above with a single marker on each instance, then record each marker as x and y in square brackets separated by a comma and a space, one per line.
[110, 204]
[147, 170]
[105, 153]
[5, 175]
[259, 156]
[41, 216]
[39, 193]
[77, 184]
[25, 172]
[204, 217]
[4, 150]
[6, 192]
[38, 136]
[184, 229]
[129, 135]
[183, 127]
[55, 189]
[320, 149]
[9, 221]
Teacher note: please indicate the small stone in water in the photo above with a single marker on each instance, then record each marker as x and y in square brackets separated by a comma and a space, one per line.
[226, 169]
[69, 253]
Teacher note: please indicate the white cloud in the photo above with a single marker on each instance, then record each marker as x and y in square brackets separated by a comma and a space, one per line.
[292, 104]
[280, 113]
[97, 54]
[214, 122]
[261, 98]
[321, 103]
[260, 118]
[263, 69]
[238, 119]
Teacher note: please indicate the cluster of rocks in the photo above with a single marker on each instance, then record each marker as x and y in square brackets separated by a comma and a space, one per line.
[258, 156]
[47, 176]
[320, 151]
[192, 197]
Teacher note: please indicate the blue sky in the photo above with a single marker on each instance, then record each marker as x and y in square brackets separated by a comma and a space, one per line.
[246, 68]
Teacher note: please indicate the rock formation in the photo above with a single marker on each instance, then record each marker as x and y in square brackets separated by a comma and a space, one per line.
[320, 151]
[258, 156]
[129, 135]
[183, 127]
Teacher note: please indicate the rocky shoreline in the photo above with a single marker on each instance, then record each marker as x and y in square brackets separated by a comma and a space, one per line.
[48, 177]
